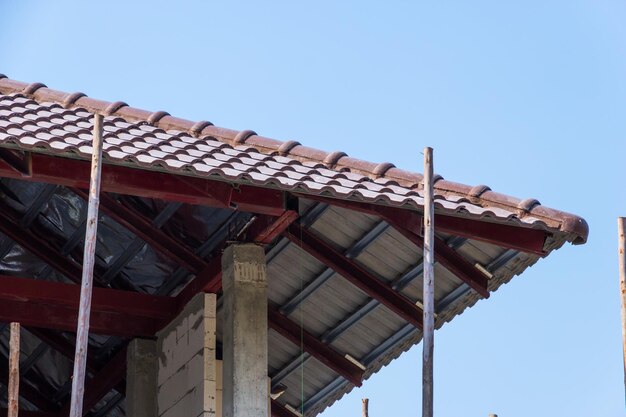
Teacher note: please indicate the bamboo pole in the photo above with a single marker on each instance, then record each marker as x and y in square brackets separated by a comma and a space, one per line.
[621, 229]
[14, 370]
[82, 331]
[428, 287]
[365, 407]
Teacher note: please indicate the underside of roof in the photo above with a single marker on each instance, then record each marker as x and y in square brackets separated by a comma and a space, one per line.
[342, 241]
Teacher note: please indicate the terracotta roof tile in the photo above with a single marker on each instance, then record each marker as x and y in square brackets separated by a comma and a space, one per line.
[33, 116]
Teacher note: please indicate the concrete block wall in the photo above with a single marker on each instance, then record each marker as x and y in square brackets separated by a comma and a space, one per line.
[186, 377]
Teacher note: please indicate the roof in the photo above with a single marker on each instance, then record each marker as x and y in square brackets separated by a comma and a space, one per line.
[156, 140]
[307, 288]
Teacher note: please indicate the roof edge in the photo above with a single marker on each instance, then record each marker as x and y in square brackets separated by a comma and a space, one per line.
[384, 173]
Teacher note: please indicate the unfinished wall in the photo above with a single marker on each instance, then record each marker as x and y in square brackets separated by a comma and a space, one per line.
[186, 381]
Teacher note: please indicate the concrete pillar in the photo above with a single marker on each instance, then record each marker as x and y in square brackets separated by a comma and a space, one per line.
[141, 378]
[245, 391]
[186, 380]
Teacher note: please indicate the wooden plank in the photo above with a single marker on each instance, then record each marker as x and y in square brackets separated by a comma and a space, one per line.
[621, 229]
[89, 261]
[14, 370]
[428, 297]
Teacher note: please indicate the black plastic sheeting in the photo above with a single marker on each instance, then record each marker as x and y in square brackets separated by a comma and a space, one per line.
[59, 214]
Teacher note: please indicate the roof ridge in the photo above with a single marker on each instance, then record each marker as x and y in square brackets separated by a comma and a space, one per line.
[384, 172]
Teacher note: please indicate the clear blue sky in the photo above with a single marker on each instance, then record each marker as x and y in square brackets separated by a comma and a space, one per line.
[528, 97]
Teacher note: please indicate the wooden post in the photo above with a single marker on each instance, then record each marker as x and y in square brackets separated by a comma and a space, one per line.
[621, 230]
[365, 407]
[428, 339]
[82, 331]
[14, 370]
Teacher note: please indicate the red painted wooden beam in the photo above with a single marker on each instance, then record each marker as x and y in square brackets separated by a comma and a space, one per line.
[508, 236]
[104, 381]
[279, 410]
[319, 350]
[54, 305]
[356, 274]
[267, 228]
[453, 262]
[151, 184]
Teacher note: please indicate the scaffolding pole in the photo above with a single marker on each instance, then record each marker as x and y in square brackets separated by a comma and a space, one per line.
[621, 230]
[82, 331]
[428, 339]
[14, 371]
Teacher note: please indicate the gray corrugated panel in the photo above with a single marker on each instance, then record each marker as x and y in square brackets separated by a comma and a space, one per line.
[369, 332]
[305, 381]
[278, 375]
[382, 259]
[335, 385]
[330, 336]
[322, 310]
[408, 330]
[290, 271]
[334, 300]
[478, 252]
[354, 251]
[280, 351]
[342, 228]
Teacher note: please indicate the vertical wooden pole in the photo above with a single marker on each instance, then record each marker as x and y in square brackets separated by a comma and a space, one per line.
[428, 339]
[365, 407]
[621, 230]
[82, 331]
[14, 370]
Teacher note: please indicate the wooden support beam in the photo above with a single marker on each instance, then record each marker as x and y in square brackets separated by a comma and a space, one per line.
[621, 254]
[267, 228]
[151, 184]
[13, 392]
[428, 287]
[319, 350]
[54, 305]
[355, 274]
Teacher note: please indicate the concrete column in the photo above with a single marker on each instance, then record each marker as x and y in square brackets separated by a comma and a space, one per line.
[244, 283]
[141, 378]
[186, 380]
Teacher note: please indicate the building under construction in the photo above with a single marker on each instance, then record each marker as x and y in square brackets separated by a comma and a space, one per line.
[234, 274]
